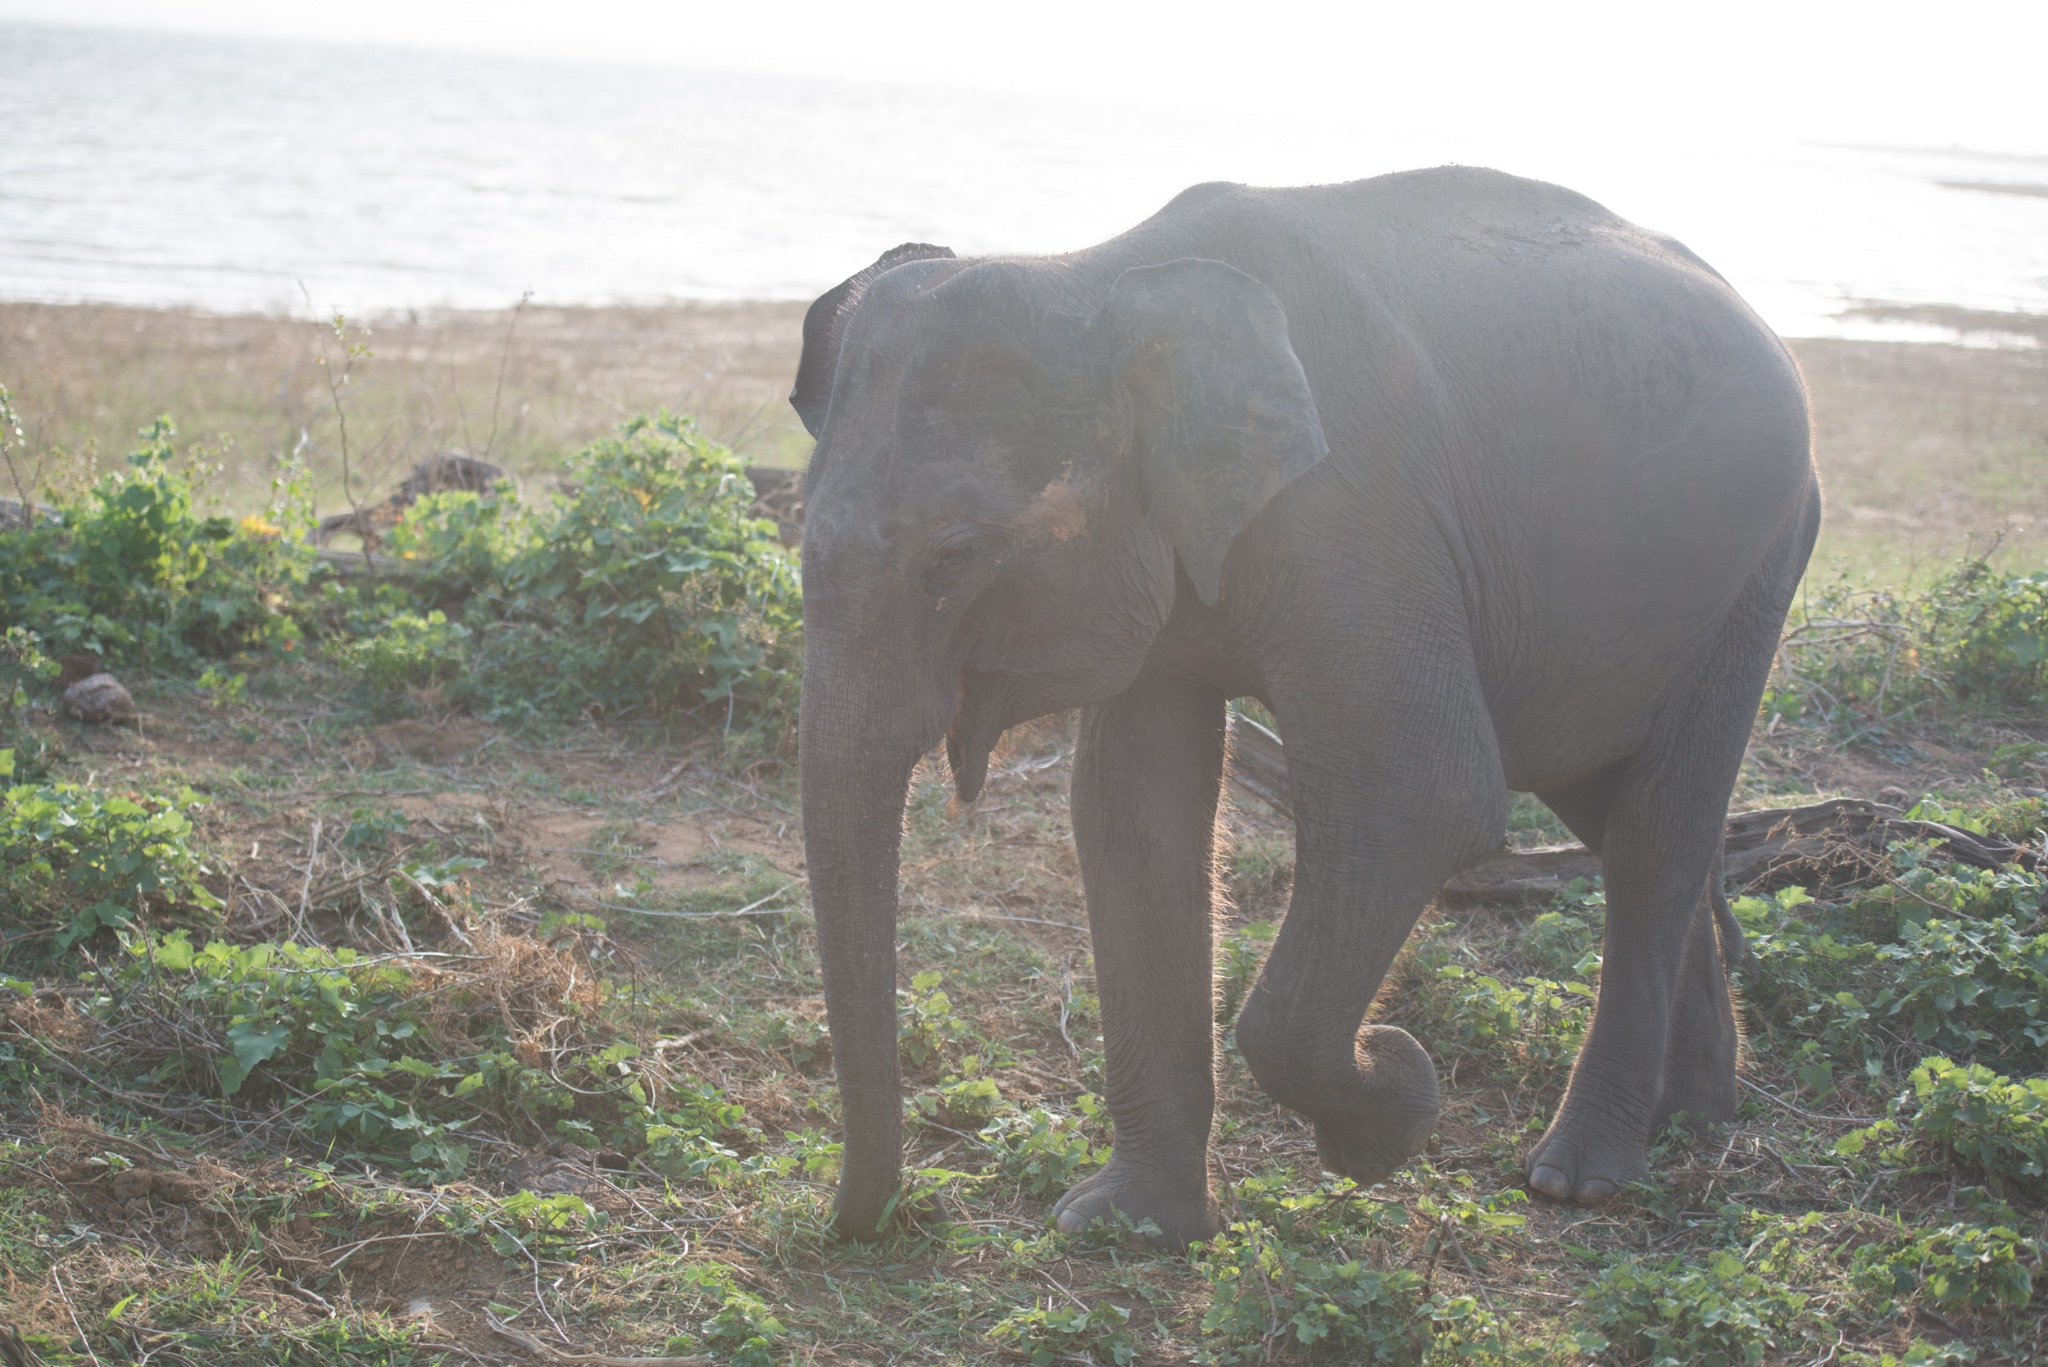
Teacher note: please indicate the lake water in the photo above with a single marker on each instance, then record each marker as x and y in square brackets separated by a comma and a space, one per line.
[236, 175]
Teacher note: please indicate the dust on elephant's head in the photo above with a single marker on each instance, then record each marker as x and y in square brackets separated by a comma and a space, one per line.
[1008, 469]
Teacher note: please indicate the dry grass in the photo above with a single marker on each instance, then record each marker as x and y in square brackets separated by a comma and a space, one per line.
[86, 377]
[1925, 450]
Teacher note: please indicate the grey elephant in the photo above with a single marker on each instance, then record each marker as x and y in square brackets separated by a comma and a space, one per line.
[1476, 486]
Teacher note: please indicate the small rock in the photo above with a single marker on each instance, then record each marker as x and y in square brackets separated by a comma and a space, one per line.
[546, 1175]
[1895, 795]
[99, 698]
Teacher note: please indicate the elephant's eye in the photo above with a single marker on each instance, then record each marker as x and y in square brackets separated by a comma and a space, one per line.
[953, 559]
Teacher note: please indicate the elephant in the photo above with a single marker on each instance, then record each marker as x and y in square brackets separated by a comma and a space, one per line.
[1477, 487]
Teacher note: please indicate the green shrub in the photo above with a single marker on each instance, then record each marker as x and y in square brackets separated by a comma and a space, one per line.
[23, 668]
[1537, 1022]
[1936, 958]
[650, 589]
[1857, 660]
[406, 650]
[280, 1011]
[1064, 1332]
[958, 1103]
[1992, 633]
[1995, 1123]
[1955, 1266]
[1564, 942]
[132, 572]
[1677, 1314]
[76, 859]
[743, 1326]
[1263, 1294]
[1334, 1209]
[393, 1060]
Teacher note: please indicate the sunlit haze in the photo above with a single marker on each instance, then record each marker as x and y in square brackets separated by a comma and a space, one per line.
[1886, 72]
[236, 155]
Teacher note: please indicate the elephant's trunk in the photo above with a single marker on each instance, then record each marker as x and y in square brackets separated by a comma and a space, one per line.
[855, 777]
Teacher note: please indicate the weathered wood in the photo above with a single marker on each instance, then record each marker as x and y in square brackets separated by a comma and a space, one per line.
[1258, 764]
[1760, 849]
[374, 564]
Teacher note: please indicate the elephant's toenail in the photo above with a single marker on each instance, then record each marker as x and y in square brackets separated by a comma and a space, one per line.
[1548, 1181]
[1070, 1222]
[1596, 1192]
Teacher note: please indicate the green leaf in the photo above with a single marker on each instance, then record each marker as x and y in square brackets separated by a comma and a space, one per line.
[253, 1045]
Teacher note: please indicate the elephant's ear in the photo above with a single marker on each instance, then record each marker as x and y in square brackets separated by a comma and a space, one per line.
[1224, 418]
[825, 323]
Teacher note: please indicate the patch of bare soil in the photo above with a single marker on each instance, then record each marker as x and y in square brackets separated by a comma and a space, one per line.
[580, 853]
[429, 742]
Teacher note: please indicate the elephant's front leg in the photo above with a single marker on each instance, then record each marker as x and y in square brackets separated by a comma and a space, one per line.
[1146, 776]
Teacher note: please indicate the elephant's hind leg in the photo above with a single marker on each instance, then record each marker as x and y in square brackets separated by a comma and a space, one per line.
[1703, 1042]
[1663, 1036]
[1700, 1050]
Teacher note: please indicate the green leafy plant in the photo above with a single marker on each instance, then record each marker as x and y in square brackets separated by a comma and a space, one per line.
[1676, 1314]
[649, 589]
[1994, 1122]
[1936, 958]
[133, 572]
[1858, 660]
[74, 860]
[24, 669]
[1043, 1152]
[1537, 1021]
[351, 1028]
[959, 1103]
[1263, 1293]
[1053, 1333]
[408, 649]
[1957, 1265]
[1564, 941]
[1244, 952]
[929, 1033]
[693, 1134]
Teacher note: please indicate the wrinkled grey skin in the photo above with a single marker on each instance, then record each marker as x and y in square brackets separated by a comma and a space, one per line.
[1476, 486]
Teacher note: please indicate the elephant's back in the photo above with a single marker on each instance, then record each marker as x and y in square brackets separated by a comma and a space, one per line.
[1606, 436]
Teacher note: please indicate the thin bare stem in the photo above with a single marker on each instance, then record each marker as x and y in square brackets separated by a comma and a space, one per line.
[504, 359]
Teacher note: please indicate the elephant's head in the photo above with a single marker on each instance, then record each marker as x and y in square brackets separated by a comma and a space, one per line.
[1009, 465]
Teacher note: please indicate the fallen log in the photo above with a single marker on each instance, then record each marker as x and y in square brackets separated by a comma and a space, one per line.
[1840, 837]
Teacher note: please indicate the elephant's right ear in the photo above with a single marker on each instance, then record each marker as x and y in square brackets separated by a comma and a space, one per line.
[1224, 417]
[826, 323]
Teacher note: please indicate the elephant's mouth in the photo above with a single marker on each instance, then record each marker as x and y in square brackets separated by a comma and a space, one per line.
[979, 720]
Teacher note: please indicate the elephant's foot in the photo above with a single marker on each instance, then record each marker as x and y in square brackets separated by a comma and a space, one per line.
[1385, 1116]
[1589, 1155]
[1182, 1212]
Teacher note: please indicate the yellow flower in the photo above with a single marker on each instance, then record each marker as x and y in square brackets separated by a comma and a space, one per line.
[255, 524]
